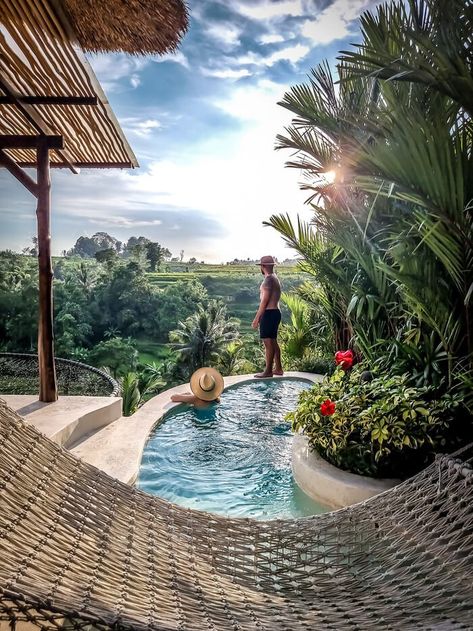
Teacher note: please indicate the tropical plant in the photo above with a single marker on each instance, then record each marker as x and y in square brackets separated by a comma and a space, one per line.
[118, 354]
[296, 335]
[381, 428]
[130, 393]
[232, 358]
[388, 161]
[136, 388]
[200, 338]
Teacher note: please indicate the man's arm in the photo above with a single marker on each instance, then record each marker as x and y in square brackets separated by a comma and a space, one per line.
[265, 296]
[184, 397]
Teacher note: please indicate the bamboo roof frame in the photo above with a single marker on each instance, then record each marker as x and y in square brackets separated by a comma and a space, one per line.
[54, 113]
[40, 59]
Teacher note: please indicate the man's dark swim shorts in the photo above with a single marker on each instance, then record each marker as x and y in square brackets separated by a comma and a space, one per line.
[269, 323]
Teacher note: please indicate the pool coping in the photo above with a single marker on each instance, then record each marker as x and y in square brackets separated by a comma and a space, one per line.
[329, 485]
[118, 448]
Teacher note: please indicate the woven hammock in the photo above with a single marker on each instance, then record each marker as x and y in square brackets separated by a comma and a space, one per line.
[79, 549]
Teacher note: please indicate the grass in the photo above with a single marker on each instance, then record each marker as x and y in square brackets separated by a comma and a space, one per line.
[149, 351]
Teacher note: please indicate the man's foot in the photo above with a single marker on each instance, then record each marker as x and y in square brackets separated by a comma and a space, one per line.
[278, 373]
[263, 375]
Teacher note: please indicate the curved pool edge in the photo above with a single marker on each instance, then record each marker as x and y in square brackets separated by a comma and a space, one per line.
[118, 448]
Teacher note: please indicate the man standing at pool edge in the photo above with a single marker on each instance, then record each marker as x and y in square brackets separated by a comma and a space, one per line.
[268, 317]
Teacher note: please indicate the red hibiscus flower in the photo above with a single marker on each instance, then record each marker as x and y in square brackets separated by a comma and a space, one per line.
[344, 359]
[327, 408]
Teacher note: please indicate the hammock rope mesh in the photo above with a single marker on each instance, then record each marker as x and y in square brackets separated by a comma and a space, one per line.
[79, 549]
[19, 374]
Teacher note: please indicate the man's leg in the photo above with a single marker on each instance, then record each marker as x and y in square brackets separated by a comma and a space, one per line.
[269, 352]
[278, 370]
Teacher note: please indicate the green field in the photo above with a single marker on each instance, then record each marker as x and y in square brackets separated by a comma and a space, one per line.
[149, 351]
[236, 285]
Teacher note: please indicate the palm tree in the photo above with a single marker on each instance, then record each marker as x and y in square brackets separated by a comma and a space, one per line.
[202, 336]
[136, 388]
[296, 335]
[391, 239]
[231, 358]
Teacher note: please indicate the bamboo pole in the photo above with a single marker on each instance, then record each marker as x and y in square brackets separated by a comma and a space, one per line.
[47, 371]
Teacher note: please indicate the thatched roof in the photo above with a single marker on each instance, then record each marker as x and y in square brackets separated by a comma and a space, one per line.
[40, 56]
[132, 26]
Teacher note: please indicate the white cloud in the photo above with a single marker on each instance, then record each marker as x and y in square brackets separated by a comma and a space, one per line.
[226, 73]
[335, 22]
[271, 38]
[124, 222]
[177, 57]
[290, 53]
[224, 33]
[115, 70]
[139, 127]
[237, 178]
[269, 10]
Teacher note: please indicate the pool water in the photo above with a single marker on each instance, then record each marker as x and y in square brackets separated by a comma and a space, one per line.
[232, 458]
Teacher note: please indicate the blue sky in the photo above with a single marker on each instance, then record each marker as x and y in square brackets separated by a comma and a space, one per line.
[202, 123]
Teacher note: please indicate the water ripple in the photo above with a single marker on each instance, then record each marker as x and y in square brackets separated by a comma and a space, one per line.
[232, 458]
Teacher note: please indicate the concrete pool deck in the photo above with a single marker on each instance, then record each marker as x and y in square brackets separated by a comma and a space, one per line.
[66, 420]
[117, 449]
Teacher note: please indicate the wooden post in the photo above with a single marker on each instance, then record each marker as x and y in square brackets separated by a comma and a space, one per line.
[47, 370]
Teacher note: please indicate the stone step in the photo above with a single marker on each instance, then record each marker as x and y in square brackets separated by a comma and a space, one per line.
[69, 419]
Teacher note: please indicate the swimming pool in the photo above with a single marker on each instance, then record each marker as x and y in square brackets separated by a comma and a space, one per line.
[231, 458]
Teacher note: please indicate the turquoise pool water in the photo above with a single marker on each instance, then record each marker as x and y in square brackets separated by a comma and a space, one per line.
[232, 458]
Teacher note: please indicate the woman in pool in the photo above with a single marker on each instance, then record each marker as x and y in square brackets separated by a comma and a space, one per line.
[206, 385]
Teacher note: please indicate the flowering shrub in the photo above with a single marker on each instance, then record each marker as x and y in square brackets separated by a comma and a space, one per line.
[344, 359]
[381, 428]
[327, 408]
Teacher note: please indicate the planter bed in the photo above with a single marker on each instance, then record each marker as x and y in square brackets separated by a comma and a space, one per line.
[327, 484]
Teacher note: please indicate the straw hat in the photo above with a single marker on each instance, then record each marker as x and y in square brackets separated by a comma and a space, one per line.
[207, 384]
[267, 260]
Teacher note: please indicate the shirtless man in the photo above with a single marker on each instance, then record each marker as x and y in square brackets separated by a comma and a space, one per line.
[268, 318]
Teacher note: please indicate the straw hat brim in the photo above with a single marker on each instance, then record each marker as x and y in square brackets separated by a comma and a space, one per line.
[207, 395]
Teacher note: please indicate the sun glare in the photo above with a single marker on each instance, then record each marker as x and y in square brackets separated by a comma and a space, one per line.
[330, 176]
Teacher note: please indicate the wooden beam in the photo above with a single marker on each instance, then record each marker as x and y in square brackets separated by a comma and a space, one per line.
[50, 100]
[17, 141]
[82, 165]
[35, 119]
[18, 172]
[47, 369]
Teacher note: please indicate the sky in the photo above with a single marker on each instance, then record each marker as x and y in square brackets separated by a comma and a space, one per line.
[202, 123]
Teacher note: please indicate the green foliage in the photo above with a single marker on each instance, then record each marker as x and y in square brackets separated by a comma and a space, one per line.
[156, 255]
[295, 336]
[117, 354]
[381, 428]
[201, 338]
[99, 308]
[390, 244]
[313, 362]
[18, 301]
[107, 257]
[87, 247]
[136, 388]
[130, 393]
[175, 303]
[231, 359]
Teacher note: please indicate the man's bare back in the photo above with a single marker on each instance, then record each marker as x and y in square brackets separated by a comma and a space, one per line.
[273, 286]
